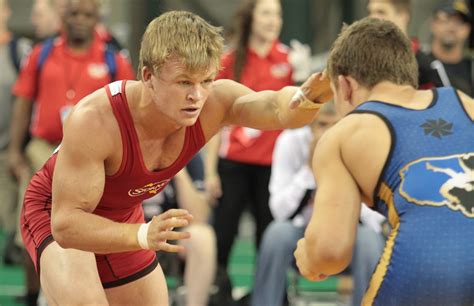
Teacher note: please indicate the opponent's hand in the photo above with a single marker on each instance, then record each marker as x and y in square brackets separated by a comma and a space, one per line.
[316, 88]
[304, 265]
[161, 230]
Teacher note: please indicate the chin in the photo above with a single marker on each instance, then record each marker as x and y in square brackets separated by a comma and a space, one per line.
[187, 122]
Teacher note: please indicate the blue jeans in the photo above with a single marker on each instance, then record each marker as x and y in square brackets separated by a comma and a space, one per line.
[275, 257]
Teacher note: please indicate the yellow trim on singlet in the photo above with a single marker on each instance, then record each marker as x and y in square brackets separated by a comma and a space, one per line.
[386, 195]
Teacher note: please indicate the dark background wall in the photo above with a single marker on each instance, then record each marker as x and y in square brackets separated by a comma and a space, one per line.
[315, 22]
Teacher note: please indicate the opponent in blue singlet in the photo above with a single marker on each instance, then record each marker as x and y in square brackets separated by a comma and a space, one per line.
[427, 192]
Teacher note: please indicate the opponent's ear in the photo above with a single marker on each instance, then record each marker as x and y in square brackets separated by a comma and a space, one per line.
[346, 88]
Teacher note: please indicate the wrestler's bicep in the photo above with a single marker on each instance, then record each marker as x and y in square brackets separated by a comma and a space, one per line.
[79, 175]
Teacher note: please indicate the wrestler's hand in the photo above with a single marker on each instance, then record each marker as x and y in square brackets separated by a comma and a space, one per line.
[304, 264]
[161, 230]
[316, 89]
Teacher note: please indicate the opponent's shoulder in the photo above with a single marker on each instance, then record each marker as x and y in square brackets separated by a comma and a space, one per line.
[356, 133]
[353, 123]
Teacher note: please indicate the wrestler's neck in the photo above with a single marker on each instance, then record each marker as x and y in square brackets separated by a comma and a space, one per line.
[146, 114]
[388, 92]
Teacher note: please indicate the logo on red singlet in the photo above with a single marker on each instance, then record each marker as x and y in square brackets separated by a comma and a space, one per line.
[152, 189]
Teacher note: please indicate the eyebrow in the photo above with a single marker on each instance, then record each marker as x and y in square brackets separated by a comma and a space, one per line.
[188, 76]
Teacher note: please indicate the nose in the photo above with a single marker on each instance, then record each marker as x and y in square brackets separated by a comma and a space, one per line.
[196, 93]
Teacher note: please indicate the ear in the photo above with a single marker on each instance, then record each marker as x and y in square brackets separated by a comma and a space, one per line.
[466, 30]
[346, 88]
[146, 74]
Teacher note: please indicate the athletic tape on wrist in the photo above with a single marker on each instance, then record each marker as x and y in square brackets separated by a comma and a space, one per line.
[142, 236]
[304, 101]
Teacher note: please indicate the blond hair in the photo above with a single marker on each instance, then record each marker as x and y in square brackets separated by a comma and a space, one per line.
[371, 51]
[184, 36]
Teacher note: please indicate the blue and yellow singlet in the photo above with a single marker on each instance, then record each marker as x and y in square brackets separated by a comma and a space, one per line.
[426, 190]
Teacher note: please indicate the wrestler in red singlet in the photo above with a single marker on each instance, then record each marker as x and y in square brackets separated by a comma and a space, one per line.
[120, 202]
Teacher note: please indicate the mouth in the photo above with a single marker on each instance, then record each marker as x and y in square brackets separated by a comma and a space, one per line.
[191, 111]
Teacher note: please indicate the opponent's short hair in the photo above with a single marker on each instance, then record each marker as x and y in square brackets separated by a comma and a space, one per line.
[371, 51]
[184, 36]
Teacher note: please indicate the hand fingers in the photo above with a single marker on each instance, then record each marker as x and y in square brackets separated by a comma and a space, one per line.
[170, 248]
[173, 235]
[319, 89]
[167, 224]
[177, 213]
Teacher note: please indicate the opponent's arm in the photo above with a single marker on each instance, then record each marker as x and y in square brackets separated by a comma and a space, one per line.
[78, 185]
[327, 245]
[272, 109]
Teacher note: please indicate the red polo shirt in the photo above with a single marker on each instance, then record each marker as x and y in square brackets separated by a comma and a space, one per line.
[65, 78]
[271, 72]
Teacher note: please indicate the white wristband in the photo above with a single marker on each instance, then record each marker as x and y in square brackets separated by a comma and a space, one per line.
[304, 101]
[142, 236]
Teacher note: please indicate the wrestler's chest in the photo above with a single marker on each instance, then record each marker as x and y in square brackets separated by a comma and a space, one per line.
[160, 155]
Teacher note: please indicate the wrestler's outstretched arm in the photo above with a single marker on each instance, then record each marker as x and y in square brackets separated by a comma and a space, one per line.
[290, 107]
[78, 185]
